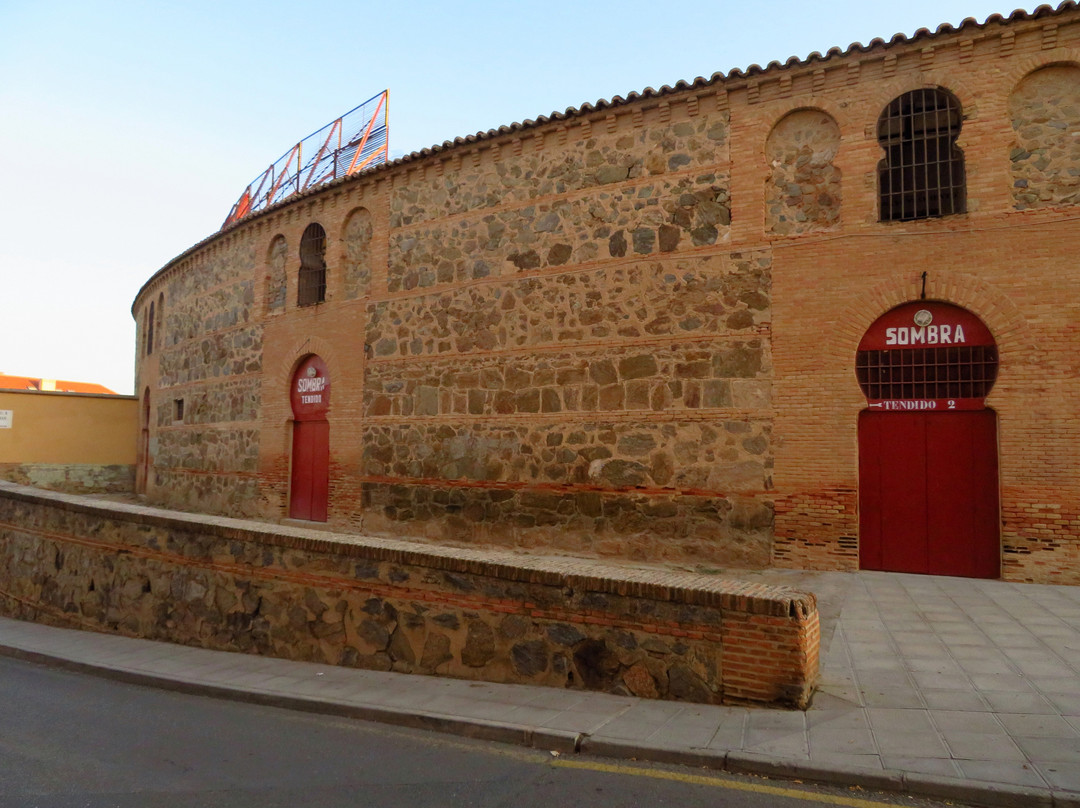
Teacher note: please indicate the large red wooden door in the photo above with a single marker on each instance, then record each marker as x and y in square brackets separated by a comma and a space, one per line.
[928, 493]
[928, 458]
[309, 489]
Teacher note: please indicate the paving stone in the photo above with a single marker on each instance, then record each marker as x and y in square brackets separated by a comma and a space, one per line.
[1064, 776]
[961, 721]
[1038, 726]
[945, 767]
[954, 700]
[910, 744]
[869, 762]
[947, 681]
[1009, 702]
[795, 745]
[1002, 771]
[899, 698]
[1045, 750]
[1067, 704]
[982, 746]
[887, 719]
[843, 740]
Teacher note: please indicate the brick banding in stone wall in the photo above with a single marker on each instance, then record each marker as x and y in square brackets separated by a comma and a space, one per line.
[600, 160]
[686, 297]
[223, 583]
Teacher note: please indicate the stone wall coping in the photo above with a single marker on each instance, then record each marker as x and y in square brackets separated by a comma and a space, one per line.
[692, 589]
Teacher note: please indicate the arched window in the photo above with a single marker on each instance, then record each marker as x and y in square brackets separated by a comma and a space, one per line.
[150, 329]
[312, 278]
[160, 315]
[922, 175]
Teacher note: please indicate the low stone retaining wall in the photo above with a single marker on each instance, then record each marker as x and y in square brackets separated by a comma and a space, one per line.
[386, 604]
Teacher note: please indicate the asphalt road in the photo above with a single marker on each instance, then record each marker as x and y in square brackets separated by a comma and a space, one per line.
[70, 740]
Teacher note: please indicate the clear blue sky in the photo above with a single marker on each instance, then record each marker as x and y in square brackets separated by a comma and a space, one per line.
[128, 129]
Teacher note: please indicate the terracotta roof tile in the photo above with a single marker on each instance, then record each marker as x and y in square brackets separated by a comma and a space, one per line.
[51, 385]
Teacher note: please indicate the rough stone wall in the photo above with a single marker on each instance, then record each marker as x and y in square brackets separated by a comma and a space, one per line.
[666, 377]
[387, 605]
[802, 193]
[551, 168]
[1045, 113]
[657, 217]
[657, 189]
[211, 359]
[276, 279]
[356, 272]
[699, 297]
[617, 410]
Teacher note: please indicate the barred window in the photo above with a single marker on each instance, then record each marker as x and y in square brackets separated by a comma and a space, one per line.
[922, 175]
[956, 371]
[312, 278]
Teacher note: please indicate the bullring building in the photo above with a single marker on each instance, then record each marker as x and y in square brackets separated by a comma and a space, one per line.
[821, 314]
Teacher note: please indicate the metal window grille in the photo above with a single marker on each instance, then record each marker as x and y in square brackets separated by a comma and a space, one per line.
[927, 373]
[312, 278]
[150, 330]
[922, 175]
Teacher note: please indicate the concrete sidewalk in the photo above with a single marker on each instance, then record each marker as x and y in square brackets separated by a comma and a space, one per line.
[943, 687]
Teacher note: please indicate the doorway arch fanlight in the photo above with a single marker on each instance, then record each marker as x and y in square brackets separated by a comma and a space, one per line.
[927, 356]
[928, 457]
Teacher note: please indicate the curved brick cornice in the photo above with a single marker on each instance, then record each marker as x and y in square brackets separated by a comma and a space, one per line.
[886, 91]
[282, 376]
[1001, 315]
[270, 244]
[1022, 68]
[840, 115]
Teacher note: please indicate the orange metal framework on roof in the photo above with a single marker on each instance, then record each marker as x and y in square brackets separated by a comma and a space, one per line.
[362, 140]
[52, 385]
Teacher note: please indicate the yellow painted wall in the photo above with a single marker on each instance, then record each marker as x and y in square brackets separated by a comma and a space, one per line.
[69, 428]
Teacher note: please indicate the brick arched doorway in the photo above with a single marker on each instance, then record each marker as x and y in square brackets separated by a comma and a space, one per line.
[928, 456]
[309, 487]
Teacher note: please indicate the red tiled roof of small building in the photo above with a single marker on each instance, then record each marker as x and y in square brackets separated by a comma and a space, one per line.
[51, 385]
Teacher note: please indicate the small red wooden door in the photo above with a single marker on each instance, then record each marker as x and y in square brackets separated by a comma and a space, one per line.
[310, 470]
[309, 489]
[928, 493]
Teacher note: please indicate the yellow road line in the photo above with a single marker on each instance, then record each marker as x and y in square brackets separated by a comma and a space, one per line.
[703, 780]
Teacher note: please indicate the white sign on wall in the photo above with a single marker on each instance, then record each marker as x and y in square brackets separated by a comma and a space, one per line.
[5, 419]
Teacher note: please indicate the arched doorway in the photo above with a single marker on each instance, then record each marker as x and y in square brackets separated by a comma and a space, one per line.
[309, 394]
[143, 469]
[928, 456]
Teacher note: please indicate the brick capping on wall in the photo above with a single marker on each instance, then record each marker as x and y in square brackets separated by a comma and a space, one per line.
[723, 640]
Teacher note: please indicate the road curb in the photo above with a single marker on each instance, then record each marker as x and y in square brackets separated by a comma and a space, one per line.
[993, 795]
